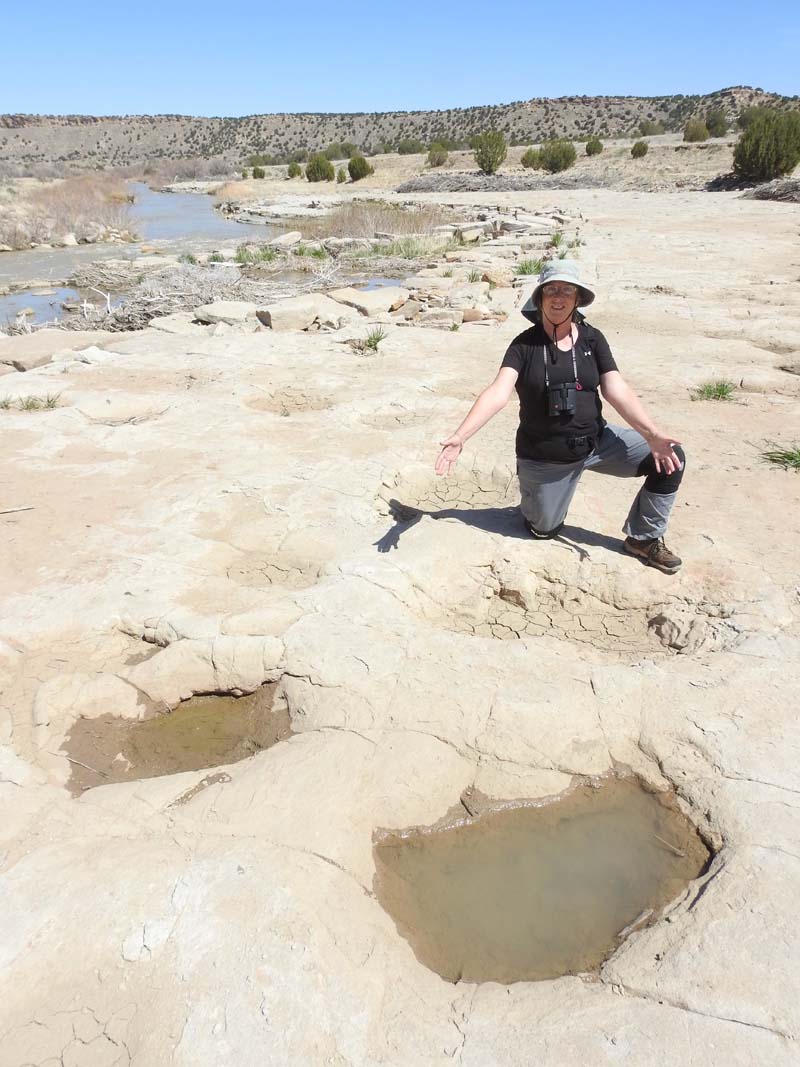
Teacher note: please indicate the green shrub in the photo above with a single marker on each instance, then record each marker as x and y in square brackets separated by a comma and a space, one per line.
[750, 114]
[259, 172]
[341, 150]
[532, 159]
[409, 146]
[358, 168]
[300, 155]
[437, 154]
[716, 123]
[769, 147]
[341, 176]
[320, 169]
[490, 150]
[294, 170]
[216, 257]
[695, 130]
[558, 155]
[594, 146]
[647, 127]
[245, 173]
[639, 149]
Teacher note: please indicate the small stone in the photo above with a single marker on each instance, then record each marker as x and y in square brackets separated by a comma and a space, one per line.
[501, 278]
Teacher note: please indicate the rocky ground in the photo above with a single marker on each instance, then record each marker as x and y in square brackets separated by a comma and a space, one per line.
[245, 495]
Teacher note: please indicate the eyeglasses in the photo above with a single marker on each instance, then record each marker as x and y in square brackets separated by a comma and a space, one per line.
[560, 290]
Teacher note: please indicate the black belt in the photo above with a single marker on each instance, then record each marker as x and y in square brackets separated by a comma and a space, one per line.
[579, 442]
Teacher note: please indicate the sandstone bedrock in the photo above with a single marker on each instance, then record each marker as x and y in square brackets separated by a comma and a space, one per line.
[228, 501]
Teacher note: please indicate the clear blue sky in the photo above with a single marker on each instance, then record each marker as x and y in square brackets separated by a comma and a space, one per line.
[240, 58]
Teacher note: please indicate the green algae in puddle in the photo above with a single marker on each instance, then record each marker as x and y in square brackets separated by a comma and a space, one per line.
[537, 891]
[203, 732]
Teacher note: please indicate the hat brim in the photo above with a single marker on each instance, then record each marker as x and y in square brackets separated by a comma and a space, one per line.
[585, 296]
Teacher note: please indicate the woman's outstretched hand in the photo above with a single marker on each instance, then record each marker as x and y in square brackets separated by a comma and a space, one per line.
[663, 452]
[451, 450]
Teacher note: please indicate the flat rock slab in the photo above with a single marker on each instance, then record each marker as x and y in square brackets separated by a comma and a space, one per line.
[27, 351]
[371, 301]
[180, 322]
[300, 312]
[227, 311]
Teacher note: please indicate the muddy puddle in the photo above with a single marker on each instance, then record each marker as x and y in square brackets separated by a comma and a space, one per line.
[206, 731]
[537, 891]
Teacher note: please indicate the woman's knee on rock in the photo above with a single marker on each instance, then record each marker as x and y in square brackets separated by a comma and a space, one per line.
[661, 483]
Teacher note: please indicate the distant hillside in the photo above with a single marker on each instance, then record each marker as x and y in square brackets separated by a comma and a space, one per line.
[134, 139]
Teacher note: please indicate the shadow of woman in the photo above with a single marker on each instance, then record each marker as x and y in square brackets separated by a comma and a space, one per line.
[506, 521]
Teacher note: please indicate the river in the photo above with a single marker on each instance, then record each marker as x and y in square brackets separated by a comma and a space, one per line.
[172, 222]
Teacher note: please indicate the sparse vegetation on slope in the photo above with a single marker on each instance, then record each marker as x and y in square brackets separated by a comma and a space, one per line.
[270, 140]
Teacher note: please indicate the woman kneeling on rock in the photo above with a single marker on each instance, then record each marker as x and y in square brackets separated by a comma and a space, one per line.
[557, 367]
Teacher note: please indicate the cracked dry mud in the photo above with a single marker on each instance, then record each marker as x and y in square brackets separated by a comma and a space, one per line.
[517, 596]
[227, 916]
[289, 401]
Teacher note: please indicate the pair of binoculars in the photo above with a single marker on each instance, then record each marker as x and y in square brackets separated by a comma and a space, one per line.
[561, 399]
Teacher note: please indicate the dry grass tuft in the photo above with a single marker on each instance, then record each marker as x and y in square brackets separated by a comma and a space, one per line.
[84, 206]
[365, 218]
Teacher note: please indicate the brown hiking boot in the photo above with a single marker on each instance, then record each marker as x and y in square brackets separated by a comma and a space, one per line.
[653, 553]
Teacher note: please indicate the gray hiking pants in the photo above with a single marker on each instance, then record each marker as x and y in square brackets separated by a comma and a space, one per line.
[547, 488]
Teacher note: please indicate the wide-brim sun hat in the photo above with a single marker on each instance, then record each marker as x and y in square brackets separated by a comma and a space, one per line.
[561, 270]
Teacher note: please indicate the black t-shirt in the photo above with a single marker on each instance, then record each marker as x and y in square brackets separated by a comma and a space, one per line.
[546, 437]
